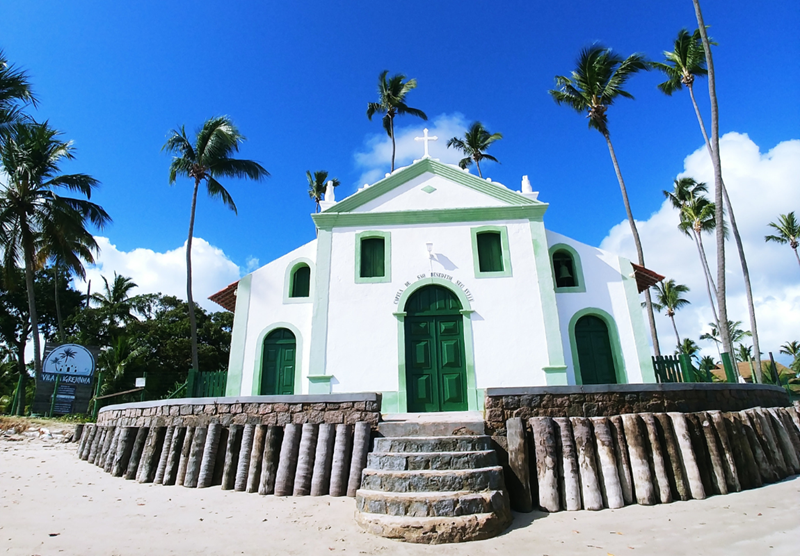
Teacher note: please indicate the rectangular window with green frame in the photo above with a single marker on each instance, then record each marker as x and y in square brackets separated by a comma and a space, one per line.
[373, 257]
[491, 255]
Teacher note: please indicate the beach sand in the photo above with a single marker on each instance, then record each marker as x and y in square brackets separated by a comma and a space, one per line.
[52, 503]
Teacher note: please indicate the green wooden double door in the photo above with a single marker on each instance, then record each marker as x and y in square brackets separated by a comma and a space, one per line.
[278, 363]
[436, 370]
[595, 357]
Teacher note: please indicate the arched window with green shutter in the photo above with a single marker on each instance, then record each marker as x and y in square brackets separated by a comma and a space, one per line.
[301, 281]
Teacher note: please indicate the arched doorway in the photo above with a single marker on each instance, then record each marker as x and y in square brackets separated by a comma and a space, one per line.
[278, 363]
[593, 344]
[436, 370]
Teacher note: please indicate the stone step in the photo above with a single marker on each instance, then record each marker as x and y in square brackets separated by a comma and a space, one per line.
[471, 443]
[457, 423]
[484, 478]
[435, 530]
[430, 504]
[431, 460]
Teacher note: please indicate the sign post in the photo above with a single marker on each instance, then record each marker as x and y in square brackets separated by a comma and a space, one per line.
[66, 382]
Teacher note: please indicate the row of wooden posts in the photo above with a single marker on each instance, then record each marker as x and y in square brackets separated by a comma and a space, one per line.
[648, 458]
[291, 460]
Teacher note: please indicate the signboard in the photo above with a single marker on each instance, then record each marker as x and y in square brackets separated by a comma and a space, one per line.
[67, 380]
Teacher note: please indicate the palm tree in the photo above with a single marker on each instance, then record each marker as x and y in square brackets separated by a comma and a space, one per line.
[668, 296]
[686, 61]
[788, 229]
[713, 335]
[15, 93]
[706, 364]
[116, 302]
[317, 184]
[391, 102]
[687, 347]
[206, 160]
[594, 85]
[476, 141]
[743, 353]
[32, 213]
[791, 348]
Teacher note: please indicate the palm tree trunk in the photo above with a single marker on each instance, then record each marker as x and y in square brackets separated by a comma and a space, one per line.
[637, 242]
[675, 328]
[58, 304]
[709, 284]
[190, 298]
[796, 255]
[391, 126]
[718, 185]
[37, 352]
[748, 290]
[478, 164]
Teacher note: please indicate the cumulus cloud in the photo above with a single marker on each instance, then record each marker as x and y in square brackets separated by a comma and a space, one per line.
[376, 157]
[761, 186]
[165, 272]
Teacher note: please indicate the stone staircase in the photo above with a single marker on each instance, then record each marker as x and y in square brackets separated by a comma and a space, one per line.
[433, 479]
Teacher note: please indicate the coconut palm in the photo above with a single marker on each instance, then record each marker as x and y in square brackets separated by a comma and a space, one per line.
[686, 61]
[476, 141]
[317, 184]
[791, 348]
[706, 364]
[15, 93]
[32, 212]
[593, 86]
[687, 347]
[668, 298]
[115, 301]
[743, 353]
[788, 229]
[391, 102]
[206, 160]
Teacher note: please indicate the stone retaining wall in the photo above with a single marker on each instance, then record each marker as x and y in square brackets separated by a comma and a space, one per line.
[615, 399]
[246, 410]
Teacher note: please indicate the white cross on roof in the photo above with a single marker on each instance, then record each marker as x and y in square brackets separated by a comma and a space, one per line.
[426, 138]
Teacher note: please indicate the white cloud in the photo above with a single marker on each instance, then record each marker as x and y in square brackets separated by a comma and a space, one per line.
[761, 187]
[375, 161]
[165, 272]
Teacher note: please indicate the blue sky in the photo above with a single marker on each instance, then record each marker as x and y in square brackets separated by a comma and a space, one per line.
[296, 78]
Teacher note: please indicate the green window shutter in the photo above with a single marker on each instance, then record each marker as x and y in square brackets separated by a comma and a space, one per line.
[373, 257]
[490, 252]
[301, 281]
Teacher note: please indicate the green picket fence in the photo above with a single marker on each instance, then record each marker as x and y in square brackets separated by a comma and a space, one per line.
[678, 368]
[206, 384]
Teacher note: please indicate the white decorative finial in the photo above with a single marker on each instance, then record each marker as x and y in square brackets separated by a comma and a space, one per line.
[426, 138]
[526, 185]
[329, 194]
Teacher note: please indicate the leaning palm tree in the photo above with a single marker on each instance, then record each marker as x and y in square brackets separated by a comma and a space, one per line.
[15, 93]
[32, 212]
[788, 229]
[686, 61]
[391, 102]
[206, 160]
[668, 298]
[791, 348]
[593, 86]
[317, 183]
[476, 141]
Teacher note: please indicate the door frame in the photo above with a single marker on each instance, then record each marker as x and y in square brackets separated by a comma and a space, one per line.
[613, 340]
[298, 358]
[469, 350]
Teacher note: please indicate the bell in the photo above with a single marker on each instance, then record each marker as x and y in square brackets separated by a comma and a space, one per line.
[563, 272]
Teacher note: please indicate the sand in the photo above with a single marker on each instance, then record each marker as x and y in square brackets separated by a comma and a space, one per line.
[52, 503]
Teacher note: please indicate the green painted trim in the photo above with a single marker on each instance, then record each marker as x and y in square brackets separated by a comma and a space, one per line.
[637, 322]
[613, 338]
[469, 343]
[319, 314]
[481, 394]
[437, 168]
[429, 189]
[233, 387]
[503, 231]
[390, 403]
[576, 267]
[547, 295]
[319, 384]
[387, 257]
[298, 357]
[328, 221]
[287, 281]
[556, 376]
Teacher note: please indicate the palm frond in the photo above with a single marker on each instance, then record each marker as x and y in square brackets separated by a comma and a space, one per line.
[215, 189]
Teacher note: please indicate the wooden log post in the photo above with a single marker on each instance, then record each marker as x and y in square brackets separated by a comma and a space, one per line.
[186, 452]
[243, 466]
[77, 432]
[230, 464]
[341, 460]
[162, 460]
[765, 432]
[150, 454]
[731, 473]
[607, 461]
[784, 441]
[123, 453]
[688, 460]
[100, 460]
[97, 443]
[358, 461]
[518, 481]
[794, 416]
[546, 454]
[587, 463]
[700, 451]
[287, 464]
[660, 474]
[794, 435]
[195, 457]
[568, 472]
[205, 478]
[305, 460]
[256, 453]
[323, 458]
[86, 441]
[623, 458]
[270, 460]
[636, 436]
[765, 468]
[136, 453]
[676, 475]
[173, 455]
[745, 460]
[108, 457]
[719, 483]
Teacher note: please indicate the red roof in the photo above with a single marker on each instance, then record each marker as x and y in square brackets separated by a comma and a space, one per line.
[645, 278]
[226, 298]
